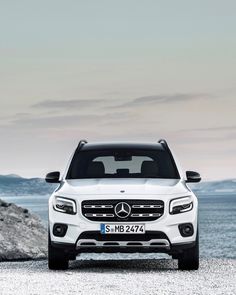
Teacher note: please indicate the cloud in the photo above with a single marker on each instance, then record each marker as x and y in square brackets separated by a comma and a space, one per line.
[207, 129]
[65, 121]
[77, 104]
[162, 99]
[165, 98]
[204, 135]
[68, 104]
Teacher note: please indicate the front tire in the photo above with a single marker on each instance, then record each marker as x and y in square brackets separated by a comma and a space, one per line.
[57, 258]
[189, 259]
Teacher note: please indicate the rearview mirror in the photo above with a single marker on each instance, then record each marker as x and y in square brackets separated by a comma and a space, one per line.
[53, 177]
[123, 157]
[193, 176]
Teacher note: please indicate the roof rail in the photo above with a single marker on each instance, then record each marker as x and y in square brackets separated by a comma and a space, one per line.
[163, 142]
[81, 143]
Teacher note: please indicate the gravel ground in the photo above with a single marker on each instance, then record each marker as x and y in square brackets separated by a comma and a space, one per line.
[116, 276]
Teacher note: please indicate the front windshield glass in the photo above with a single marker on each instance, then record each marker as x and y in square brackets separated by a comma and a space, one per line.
[122, 164]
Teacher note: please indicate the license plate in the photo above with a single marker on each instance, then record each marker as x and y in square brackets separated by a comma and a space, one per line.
[122, 228]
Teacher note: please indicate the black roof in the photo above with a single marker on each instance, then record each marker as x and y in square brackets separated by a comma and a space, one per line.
[122, 145]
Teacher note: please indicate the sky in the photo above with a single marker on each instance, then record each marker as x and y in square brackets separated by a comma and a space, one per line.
[122, 70]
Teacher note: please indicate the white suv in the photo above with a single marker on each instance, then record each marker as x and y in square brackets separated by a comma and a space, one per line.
[123, 197]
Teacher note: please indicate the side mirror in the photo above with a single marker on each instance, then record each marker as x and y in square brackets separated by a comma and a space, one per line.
[193, 176]
[53, 177]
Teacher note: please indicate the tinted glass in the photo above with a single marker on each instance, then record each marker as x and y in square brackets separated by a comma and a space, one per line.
[122, 164]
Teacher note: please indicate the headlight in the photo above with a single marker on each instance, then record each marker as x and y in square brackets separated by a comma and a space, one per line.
[64, 205]
[181, 205]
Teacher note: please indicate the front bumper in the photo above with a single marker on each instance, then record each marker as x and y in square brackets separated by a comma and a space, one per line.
[152, 241]
[78, 227]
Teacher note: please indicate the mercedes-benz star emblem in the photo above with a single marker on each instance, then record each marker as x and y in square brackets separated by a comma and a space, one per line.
[122, 210]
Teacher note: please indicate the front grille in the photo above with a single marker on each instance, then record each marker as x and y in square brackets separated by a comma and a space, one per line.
[141, 210]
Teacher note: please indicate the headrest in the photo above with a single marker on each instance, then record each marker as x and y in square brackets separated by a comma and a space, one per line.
[149, 168]
[95, 169]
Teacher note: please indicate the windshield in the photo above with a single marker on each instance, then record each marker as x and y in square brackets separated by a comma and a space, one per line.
[122, 164]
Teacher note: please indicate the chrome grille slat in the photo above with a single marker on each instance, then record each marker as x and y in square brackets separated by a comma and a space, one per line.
[146, 215]
[98, 215]
[98, 206]
[147, 206]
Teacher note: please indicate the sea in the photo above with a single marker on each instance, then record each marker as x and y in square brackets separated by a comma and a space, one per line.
[217, 221]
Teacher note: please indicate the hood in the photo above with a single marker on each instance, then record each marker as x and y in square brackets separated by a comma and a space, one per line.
[125, 186]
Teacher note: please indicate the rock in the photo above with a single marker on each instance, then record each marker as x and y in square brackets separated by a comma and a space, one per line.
[22, 236]
[4, 204]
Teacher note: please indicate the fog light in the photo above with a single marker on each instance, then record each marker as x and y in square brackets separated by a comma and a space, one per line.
[59, 230]
[186, 229]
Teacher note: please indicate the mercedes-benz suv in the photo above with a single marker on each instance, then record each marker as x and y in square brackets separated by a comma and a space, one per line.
[123, 197]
